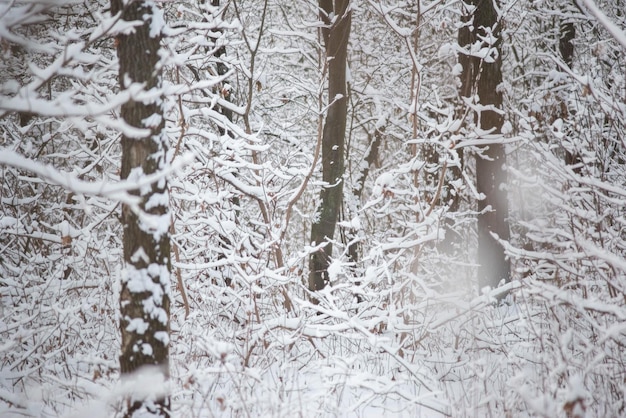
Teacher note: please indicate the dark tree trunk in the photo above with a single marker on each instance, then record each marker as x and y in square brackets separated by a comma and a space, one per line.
[566, 49]
[484, 76]
[335, 34]
[144, 299]
[375, 141]
[566, 46]
[352, 238]
[222, 69]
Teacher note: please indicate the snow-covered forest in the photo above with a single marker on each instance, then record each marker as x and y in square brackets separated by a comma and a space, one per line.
[336, 208]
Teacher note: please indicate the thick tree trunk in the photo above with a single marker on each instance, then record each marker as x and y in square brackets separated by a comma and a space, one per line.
[144, 299]
[337, 18]
[484, 76]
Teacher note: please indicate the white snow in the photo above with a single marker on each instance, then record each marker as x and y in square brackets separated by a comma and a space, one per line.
[613, 29]
[384, 181]
[137, 325]
[334, 270]
[157, 23]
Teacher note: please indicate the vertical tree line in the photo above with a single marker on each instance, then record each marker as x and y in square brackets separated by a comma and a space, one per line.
[336, 18]
[567, 32]
[144, 299]
[482, 76]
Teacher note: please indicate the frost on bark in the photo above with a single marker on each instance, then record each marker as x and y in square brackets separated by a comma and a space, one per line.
[336, 16]
[144, 299]
[482, 77]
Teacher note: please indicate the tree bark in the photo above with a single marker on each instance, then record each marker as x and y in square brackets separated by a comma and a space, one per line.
[484, 77]
[336, 16]
[375, 142]
[145, 287]
[225, 87]
[566, 49]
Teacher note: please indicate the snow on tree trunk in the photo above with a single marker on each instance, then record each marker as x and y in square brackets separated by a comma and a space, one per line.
[336, 31]
[482, 75]
[144, 299]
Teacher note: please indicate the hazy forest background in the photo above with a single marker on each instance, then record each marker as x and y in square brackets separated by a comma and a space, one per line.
[287, 208]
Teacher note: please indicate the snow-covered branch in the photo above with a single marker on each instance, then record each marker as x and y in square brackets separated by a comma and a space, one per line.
[604, 20]
[119, 191]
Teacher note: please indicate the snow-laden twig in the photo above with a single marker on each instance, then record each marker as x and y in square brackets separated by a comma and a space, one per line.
[604, 20]
[118, 191]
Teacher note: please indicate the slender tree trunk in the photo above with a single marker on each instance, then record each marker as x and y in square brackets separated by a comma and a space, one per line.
[144, 299]
[225, 87]
[566, 49]
[483, 77]
[352, 238]
[336, 16]
[375, 142]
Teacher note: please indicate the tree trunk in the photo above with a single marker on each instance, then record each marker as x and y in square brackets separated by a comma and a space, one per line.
[484, 76]
[335, 33]
[375, 142]
[225, 87]
[145, 287]
[566, 49]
